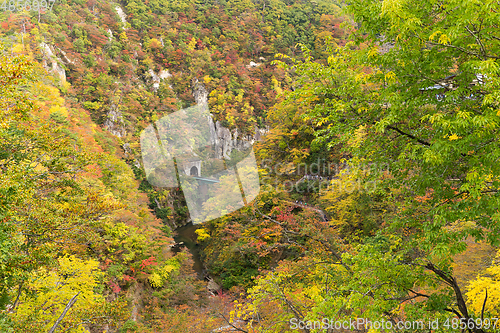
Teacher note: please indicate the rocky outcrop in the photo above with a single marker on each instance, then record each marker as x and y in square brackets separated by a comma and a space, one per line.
[122, 16]
[55, 66]
[156, 78]
[223, 139]
[200, 93]
[213, 286]
[114, 122]
[126, 149]
[253, 64]
[65, 58]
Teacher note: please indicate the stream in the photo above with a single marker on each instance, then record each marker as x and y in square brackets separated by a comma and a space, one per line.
[187, 235]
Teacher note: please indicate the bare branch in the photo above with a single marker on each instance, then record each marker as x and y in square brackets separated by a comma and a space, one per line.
[66, 309]
[230, 324]
[463, 50]
[425, 143]
[484, 304]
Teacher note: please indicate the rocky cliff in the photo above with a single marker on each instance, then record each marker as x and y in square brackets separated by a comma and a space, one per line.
[223, 139]
[51, 62]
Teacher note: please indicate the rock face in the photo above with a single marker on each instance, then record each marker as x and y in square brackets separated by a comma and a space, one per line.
[222, 139]
[50, 58]
[225, 141]
[122, 16]
[213, 286]
[253, 64]
[126, 149]
[65, 59]
[156, 78]
[114, 122]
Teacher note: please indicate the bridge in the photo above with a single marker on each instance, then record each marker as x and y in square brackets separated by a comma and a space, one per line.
[206, 180]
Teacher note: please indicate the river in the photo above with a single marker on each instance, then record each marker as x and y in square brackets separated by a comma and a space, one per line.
[187, 235]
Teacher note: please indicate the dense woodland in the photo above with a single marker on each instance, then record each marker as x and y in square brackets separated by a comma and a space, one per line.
[379, 171]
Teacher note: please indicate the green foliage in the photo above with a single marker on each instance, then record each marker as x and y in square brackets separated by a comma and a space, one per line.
[56, 209]
[114, 49]
[427, 109]
[71, 195]
[8, 257]
[59, 118]
[129, 326]
[164, 213]
[165, 271]
[79, 45]
[237, 273]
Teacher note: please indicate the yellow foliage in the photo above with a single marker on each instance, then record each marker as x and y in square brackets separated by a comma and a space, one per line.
[160, 275]
[119, 230]
[476, 291]
[51, 290]
[434, 34]
[202, 234]
[192, 44]
[276, 85]
[59, 109]
[153, 43]
[18, 48]
[443, 39]
[359, 137]
[390, 76]
[156, 280]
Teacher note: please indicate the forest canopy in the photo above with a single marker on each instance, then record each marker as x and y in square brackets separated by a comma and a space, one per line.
[379, 166]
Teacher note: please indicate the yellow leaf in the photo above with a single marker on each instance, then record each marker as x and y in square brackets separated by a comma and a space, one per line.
[390, 76]
[434, 34]
[443, 39]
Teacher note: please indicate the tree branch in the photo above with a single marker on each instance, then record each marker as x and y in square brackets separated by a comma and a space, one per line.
[452, 282]
[230, 324]
[477, 55]
[484, 304]
[425, 143]
[66, 309]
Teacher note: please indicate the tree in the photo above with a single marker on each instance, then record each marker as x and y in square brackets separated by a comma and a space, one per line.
[50, 291]
[428, 107]
[47, 210]
[483, 292]
[13, 72]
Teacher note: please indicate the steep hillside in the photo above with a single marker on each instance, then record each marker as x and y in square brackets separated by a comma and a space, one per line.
[85, 230]
[374, 197]
[127, 64]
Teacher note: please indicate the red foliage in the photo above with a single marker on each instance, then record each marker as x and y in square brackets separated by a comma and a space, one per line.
[151, 261]
[128, 278]
[116, 288]
[106, 264]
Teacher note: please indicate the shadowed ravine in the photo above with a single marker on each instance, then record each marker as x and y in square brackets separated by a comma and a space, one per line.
[187, 236]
